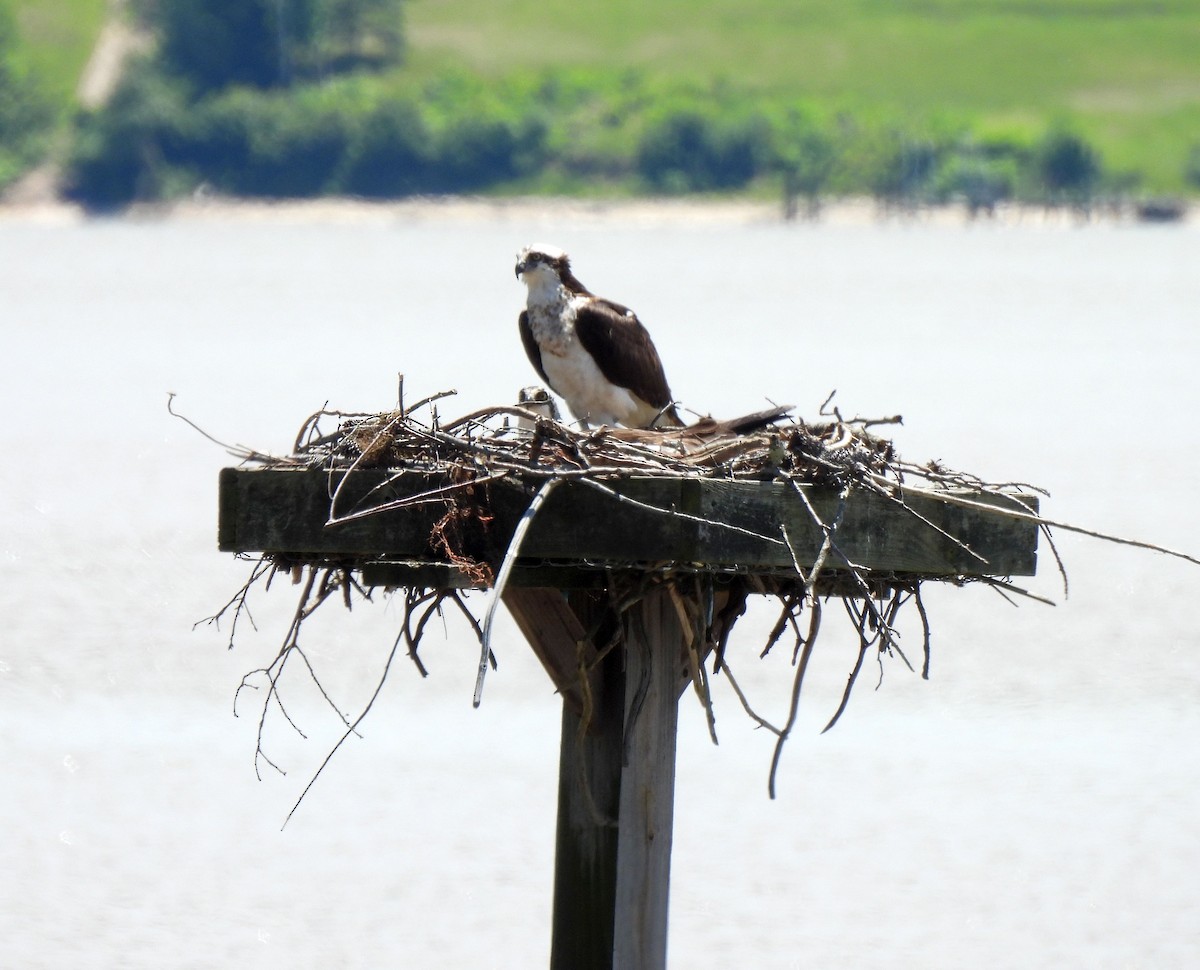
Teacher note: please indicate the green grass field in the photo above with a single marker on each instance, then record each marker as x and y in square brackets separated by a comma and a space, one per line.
[56, 38]
[1125, 73]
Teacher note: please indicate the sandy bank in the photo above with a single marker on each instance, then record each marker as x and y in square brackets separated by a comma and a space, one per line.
[473, 209]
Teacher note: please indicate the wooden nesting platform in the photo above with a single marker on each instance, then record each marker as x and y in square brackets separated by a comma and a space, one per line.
[620, 706]
[697, 524]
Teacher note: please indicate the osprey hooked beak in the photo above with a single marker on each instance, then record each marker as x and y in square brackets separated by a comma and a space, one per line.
[539, 254]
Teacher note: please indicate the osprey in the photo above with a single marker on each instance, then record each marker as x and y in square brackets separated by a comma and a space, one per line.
[593, 352]
[537, 401]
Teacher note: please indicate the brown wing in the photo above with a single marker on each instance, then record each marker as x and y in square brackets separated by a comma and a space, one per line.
[623, 350]
[532, 349]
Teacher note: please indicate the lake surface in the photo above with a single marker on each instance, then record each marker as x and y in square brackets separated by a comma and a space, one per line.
[1034, 804]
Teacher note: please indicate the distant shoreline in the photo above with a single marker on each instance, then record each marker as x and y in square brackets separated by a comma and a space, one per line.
[635, 211]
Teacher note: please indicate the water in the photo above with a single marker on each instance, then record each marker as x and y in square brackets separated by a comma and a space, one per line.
[1033, 805]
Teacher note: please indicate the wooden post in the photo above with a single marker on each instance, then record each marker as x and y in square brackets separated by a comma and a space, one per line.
[589, 805]
[616, 792]
[654, 646]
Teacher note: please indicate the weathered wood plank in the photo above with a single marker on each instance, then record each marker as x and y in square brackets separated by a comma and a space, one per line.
[270, 510]
[589, 803]
[556, 635]
[445, 576]
[286, 512]
[654, 647]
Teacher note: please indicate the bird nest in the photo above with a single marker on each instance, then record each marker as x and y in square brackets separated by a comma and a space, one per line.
[475, 456]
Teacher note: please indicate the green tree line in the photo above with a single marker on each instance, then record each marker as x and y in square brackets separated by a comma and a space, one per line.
[290, 98]
[555, 132]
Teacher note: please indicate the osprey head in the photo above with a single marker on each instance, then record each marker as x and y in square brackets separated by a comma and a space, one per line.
[540, 258]
[539, 401]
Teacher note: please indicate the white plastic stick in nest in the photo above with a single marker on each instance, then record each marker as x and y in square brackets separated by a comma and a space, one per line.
[510, 557]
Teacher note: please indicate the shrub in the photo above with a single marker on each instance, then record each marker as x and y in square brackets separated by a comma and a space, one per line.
[978, 179]
[1191, 168]
[904, 170]
[686, 150]
[127, 150]
[268, 144]
[807, 155]
[388, 154]
[472, 151]
[1067, 167]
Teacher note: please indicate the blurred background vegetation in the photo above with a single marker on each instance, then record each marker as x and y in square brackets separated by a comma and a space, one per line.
[909, 101]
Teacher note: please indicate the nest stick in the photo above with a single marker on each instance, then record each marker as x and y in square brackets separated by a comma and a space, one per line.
[423, 498]
[697, 672]
[676, 513]
[352, 729]
[814, 625]
[333, 498]
[1026, 516]
[889, 494]
[238, 451]
[863, 646]
[741, 696]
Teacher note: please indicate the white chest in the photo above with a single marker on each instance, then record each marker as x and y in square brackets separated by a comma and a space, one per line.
[553, 325]
[572, 371]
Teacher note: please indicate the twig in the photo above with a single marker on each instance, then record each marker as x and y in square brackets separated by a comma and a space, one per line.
[898, 500]
[262, 567]
[1055, 524]
[762, 722]
[413, 639]
[855, 571]
[697, 672]
[1002, 587]
[352, 729]
[786, 615]
[438, 494]
[1058, 560]
[814, 625]
[864, 645]
[440, 395]
[676, 513]
[238, 451]
[337, 491]
[926, 631]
